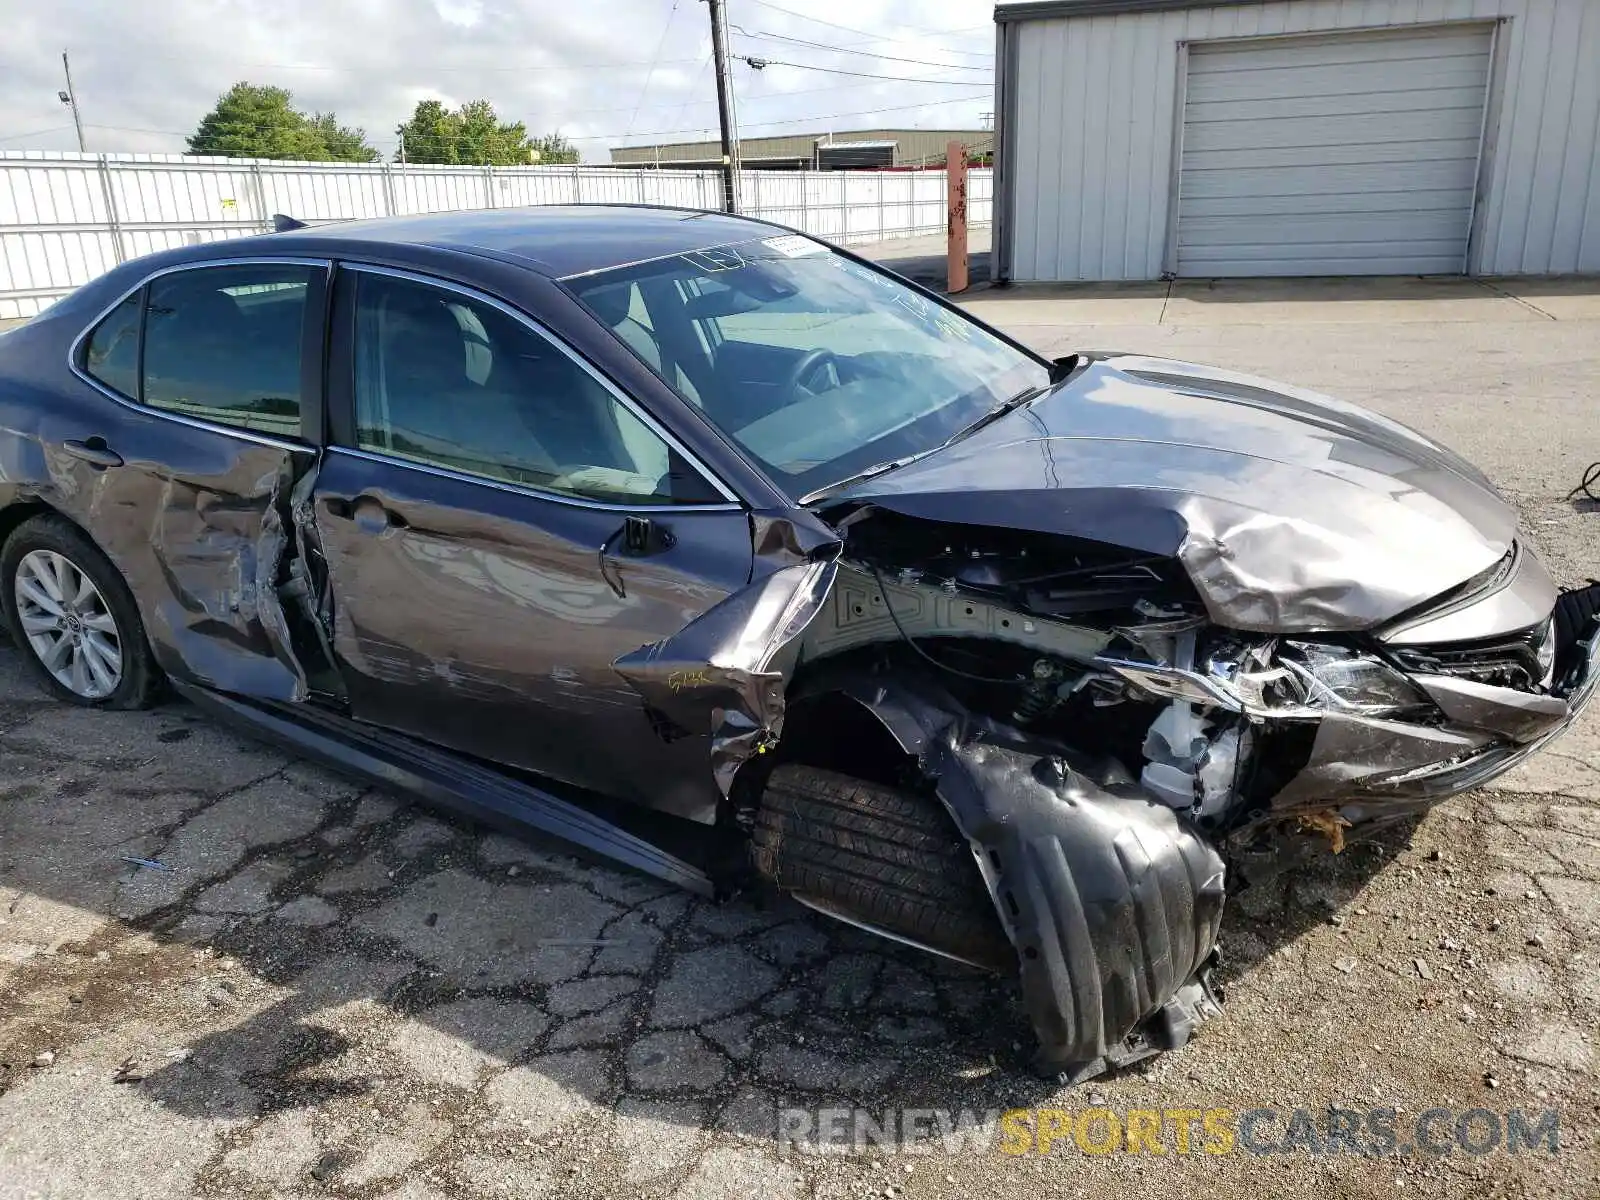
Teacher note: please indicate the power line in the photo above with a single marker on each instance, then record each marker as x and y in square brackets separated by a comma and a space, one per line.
[789, 12]
[806, 120]
[650, 74]
[382, 141]
[921, 62]
[705, 63]
[892, 41]
[817, 91]
[17, 137]
[695, 86]
[388, 68]
[762, 63]
[136, 129]
[744, 99]
[691, 102]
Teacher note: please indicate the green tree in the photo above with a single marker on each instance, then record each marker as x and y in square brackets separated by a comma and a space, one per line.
[342, 143]
[262, 122]
[429, 136]
[487, 141]
[254, 122]
[553, 148]
[474, 134]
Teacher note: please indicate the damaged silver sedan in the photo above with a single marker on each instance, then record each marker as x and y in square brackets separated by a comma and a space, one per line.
[709, 548]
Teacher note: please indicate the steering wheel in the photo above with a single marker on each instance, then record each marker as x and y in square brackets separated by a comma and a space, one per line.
[810, 363]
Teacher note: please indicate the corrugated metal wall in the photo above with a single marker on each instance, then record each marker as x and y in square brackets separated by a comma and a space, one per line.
[65, 218]
[1095, 103]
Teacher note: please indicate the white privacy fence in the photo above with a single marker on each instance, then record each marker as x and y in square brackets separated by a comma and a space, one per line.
[65, 218]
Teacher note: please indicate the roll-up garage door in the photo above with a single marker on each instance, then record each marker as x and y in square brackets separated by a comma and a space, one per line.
[1352, 154]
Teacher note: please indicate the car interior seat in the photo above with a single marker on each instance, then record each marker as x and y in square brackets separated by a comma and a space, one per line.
[198, 351]
[423, 400]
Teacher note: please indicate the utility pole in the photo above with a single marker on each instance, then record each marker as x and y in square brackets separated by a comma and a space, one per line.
[956, 214]
[70, 99]
[730, 127]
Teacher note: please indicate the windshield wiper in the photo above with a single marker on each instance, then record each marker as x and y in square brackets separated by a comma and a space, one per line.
[999, 410]
[861, 476]
[876, 469]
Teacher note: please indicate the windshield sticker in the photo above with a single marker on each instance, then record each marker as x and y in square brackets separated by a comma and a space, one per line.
[793, 245]
[718, 258]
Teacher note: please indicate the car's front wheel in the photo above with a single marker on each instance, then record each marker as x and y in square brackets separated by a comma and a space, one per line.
[73, 618]
[878, 857]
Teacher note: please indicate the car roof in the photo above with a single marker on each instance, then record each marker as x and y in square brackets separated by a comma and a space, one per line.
[555, 240]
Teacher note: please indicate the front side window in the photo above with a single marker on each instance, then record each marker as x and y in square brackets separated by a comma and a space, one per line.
[817, 365]
[447, 380]
[112, 353]
[224, 344]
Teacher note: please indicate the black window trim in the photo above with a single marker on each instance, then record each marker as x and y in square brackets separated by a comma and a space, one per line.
[342, 400]
[312, 350]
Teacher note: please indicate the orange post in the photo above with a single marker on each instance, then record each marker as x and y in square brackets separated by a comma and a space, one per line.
[956, 206]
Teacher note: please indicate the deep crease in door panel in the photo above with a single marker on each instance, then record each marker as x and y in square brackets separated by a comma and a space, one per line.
[204, 565]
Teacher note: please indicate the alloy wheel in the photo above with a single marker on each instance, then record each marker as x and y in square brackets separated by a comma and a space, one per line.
[68, 624]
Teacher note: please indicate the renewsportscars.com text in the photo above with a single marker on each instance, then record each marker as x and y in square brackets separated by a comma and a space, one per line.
[1370, 1133]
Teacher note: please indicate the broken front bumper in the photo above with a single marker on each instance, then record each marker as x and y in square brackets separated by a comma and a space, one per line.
[1383, 767]
[1447, 779]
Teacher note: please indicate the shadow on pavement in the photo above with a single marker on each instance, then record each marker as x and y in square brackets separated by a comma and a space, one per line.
[932, 270]
[357, 955]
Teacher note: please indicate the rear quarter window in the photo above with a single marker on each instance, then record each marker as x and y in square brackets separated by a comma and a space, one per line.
[112, 352]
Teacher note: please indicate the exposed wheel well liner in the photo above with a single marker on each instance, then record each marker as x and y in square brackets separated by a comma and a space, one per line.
[1112, 901]
[833, 731]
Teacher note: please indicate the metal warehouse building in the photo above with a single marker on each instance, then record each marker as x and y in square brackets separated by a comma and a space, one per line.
[861, 148]
[1150, 138]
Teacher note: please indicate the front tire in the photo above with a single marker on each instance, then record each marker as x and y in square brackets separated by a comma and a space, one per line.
[73, 618]
[885, 858]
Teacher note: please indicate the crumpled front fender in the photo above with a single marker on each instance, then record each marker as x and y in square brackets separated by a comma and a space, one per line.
[1112, 902]
[732, 664]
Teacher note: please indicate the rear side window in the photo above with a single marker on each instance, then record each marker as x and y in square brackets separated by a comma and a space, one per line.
[223, 344]
[112, 355]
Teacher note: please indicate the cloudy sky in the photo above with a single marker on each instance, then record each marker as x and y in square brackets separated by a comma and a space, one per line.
[603, 72]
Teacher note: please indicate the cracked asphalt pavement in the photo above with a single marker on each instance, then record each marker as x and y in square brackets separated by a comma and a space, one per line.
[323, 991]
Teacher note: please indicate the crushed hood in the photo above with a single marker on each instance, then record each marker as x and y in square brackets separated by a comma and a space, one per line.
[1291, 512]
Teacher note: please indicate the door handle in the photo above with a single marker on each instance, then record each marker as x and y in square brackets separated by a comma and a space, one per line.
[369, 514]
[640, 537]
[373, 516]
[94, 451]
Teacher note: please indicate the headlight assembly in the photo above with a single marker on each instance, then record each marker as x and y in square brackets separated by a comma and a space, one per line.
[1547, 655]
[1346, 680]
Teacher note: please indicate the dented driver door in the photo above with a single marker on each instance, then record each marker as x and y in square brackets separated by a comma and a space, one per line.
[500, 526]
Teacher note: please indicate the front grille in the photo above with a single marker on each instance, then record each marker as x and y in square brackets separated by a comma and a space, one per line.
[1501, 662]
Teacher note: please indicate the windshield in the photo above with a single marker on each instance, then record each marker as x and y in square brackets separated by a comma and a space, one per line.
[817, 365]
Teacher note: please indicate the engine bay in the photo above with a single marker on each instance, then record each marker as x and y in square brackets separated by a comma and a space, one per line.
[1098, 649]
